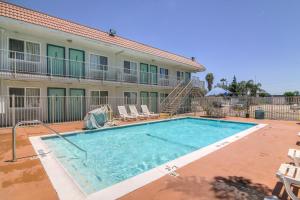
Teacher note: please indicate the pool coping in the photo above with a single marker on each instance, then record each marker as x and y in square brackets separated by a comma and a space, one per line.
[68, 188]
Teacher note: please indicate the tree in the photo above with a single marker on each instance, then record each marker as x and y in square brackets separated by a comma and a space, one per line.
[242, 88]
[210, 80]
[233, 86]
[291, 94]
[223, 83]
[245, 87]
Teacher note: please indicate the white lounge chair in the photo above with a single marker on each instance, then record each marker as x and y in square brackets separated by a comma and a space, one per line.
[134, 112]
[289, 175]
[146, 111]
[123, 113]
[294, 154]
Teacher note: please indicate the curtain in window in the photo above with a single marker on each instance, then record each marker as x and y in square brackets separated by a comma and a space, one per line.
[103, 97]
[98, 62]
[32, 52]
[133, 68]
[95, 61]
[95, 97]
[32, 97]
[130, 97]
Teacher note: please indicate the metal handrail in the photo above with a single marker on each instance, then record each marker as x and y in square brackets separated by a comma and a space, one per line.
[14, 155]
[170, 95]
[189, 83]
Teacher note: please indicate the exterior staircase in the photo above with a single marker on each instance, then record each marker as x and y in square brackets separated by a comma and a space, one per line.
[177, 97]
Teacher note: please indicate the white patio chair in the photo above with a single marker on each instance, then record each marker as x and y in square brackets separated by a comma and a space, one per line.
[134, 112]
[289, 175]
[294, 154]
[146, 111]
[123, 113]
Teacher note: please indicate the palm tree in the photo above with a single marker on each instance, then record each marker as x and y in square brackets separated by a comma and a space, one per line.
[210, 80]
[223, 81]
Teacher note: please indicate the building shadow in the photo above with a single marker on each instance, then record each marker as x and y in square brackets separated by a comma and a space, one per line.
[238, 188]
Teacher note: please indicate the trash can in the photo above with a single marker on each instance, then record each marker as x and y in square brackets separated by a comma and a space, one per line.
[259, 114]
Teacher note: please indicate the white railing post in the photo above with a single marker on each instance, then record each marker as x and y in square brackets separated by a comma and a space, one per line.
[81, 108]
[50, 64]
[13, 110]
[15, 63]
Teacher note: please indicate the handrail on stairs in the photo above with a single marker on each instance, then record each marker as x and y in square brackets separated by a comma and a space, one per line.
[189, 83]
[170, 95]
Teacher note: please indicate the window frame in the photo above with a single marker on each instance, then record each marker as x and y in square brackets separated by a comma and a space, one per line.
[136, 95]
[25, 97]
[164, 76]
[99, 97]
[24, 52]
[130, 67]
[105, 68]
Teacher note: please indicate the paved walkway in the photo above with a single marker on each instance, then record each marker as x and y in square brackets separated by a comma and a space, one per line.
[242, 170]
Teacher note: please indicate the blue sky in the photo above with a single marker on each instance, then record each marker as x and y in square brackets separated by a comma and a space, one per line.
[252, 39]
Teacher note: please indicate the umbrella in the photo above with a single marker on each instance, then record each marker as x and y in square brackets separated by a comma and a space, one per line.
[218, 91]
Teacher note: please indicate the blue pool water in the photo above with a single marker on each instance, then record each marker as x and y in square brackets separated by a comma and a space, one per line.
[117, 154]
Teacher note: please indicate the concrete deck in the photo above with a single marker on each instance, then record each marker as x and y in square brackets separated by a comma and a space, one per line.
[242, 170]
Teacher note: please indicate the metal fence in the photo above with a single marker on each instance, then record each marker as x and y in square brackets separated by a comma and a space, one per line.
[280, 108]
[56, 109]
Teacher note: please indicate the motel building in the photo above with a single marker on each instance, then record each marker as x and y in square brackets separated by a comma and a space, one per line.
[56, 70]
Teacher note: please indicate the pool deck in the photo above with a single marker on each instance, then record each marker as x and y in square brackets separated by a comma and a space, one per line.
[244, 169]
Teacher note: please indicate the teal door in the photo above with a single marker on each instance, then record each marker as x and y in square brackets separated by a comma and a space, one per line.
[76, 68]
[154, 101]
[143, 73]
[153, 74]
[144, 98]
[56, 104]
[77, 104]
[56, 60]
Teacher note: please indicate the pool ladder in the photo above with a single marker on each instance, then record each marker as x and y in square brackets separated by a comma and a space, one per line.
[34, 122]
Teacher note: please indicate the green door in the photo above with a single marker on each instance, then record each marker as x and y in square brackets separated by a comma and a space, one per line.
[56, 60]
[153, 74]
[144, 98]
[77, 104]
[76, 68]
[154, 101]
[143, 73]
[56, 104]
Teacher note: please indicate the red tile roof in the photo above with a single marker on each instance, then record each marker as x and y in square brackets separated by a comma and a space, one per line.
[37, 18]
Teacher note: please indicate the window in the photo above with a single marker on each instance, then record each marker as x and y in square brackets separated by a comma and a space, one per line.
[99, 62]
[99, 97]
[163, 96]
[25, 97]
[24, 50]
[130, 97]
[130, 67]
[164, 73]
[180, 75]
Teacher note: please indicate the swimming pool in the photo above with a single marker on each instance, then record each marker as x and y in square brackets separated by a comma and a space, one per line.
[120, 153]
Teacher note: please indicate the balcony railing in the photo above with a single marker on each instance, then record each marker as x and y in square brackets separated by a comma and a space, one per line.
[32, 66]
